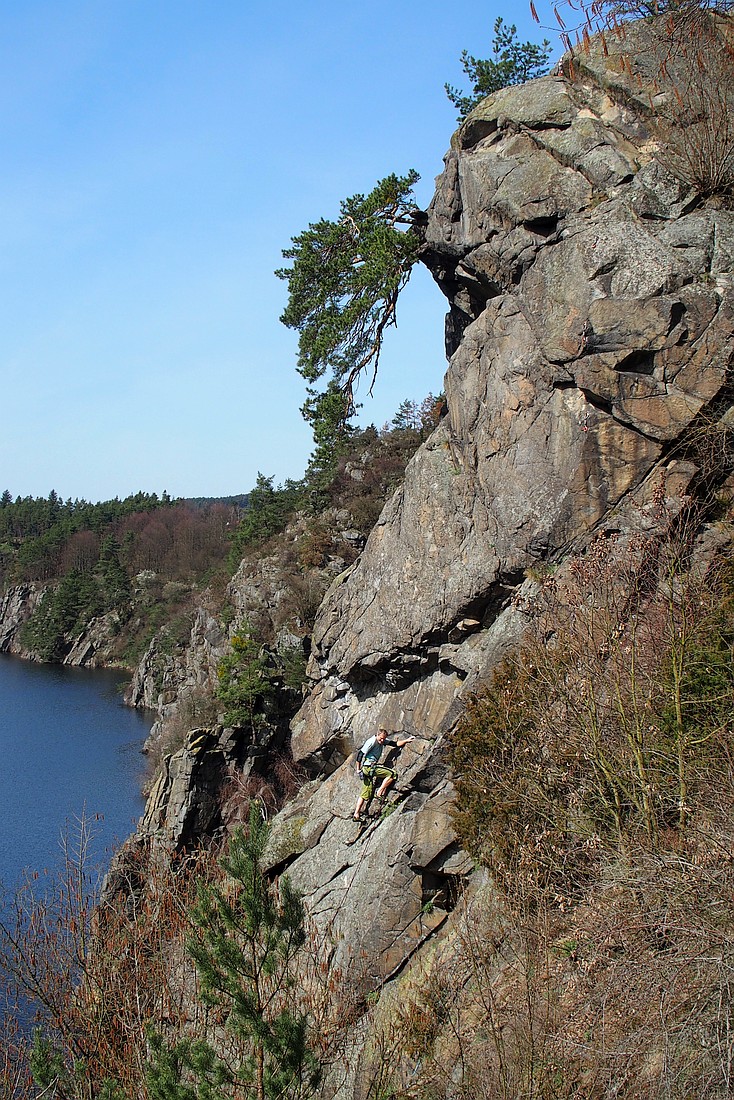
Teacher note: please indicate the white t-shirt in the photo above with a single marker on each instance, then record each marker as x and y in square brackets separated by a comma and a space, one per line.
[372, 750]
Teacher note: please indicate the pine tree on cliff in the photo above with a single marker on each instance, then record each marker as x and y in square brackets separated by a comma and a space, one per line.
[248, 936]
[329, 414]
[512, 62]
[343, 286]
[346, 274]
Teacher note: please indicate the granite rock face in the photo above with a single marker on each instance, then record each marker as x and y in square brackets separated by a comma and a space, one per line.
[590, 334]
[90, 648]
[16, 607]
[171, 680]
[591, 327]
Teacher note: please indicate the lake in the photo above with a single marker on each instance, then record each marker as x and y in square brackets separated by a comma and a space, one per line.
[68, 747]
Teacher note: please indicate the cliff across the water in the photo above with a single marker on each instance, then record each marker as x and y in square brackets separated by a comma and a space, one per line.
[94, 644]
[16, 607]
[591, 337]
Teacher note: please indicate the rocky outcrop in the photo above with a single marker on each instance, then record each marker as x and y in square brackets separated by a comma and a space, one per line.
[591, 333]
[176, 679]
[379, 892]
[91, 648]
[16, 607]
[592, 328]
[271, 595]
[184, 802]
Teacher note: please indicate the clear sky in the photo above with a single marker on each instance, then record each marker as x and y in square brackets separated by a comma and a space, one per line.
[157, 156]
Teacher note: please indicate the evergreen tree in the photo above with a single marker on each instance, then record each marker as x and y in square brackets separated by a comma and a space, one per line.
[407, 418]
[54, 1077]
[267, 513]
[114, 579]
[243, 683]
[512, 62]
[344, 283]
[248, 937]
[329, 414]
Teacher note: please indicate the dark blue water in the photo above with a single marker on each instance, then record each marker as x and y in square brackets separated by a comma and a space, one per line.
[68, 748]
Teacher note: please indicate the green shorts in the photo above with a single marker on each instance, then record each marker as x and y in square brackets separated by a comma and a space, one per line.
[372, 776]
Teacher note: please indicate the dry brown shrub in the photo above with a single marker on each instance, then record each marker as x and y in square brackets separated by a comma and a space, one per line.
[284, 779]
[612, 977]
[16, 1082]
[476, 1019]
[646, 967]
[315, 545]
[626, 994]
[96, 969]
[684, 64]
[303, 593]
[609, 726]
[695, 125]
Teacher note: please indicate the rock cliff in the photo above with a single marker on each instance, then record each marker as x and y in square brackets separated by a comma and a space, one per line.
[93, 644]
[16, 607]
[591, 326]
[590, 334]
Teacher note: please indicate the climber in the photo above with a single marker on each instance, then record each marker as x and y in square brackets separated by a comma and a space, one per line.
[370, 770]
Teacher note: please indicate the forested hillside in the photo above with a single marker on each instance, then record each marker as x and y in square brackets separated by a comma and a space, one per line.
[142, 560]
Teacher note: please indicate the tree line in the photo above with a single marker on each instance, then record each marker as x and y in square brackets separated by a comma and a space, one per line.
[43, 539]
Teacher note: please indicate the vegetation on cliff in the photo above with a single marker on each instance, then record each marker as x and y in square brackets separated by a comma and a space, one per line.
[608, 726]
[246, 943]
[244, 685]
[347, 274]
[595, 782]
[184, 981]
[512, 62]
[344, 284]
[687, 70]
[144, 562]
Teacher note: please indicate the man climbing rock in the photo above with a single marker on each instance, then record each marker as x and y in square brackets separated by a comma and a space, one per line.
[371, 771]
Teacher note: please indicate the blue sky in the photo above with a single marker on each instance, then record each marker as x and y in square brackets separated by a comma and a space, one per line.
[157, 157]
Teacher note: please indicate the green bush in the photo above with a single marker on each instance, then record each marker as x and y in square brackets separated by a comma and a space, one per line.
[244, 683]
